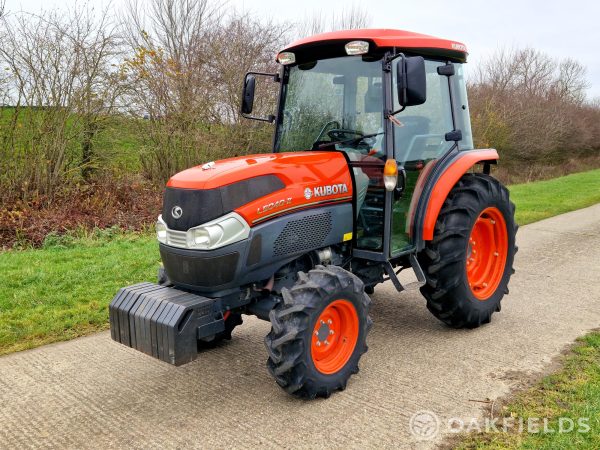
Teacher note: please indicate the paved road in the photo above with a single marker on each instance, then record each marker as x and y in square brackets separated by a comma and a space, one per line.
[91, 392]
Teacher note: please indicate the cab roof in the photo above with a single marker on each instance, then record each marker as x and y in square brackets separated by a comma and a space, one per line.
[383, 38]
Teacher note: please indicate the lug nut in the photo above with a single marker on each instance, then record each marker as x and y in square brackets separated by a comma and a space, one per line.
[316, 333]
[331, 332]
[322, 323]
[484, 284]
[329, 322]
[493, 222]
[326, 342]
[496, 254]
[318, 344]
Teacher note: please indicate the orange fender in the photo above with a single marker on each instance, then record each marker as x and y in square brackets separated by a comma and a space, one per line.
[446, 182]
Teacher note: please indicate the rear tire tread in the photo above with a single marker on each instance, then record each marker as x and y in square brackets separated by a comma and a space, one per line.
[443, 256]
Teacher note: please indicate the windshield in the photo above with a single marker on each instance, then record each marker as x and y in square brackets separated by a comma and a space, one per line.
[333, 104]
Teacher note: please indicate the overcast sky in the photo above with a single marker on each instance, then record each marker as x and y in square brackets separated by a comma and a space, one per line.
[559, 28]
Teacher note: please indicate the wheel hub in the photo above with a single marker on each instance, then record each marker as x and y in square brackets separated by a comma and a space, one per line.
[486, 253]
[324, 332]
[334, 336]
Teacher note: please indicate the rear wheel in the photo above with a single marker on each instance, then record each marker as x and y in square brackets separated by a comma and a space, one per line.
[469, 262]
[318, 332]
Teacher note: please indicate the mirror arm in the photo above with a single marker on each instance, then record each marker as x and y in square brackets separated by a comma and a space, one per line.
[393, 113]
[270, 118]
[275, 76]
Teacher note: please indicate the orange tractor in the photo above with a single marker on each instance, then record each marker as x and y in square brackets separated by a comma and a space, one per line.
[373, 171]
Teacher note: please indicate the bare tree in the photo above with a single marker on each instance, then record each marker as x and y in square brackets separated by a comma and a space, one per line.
[59, 83]
[98, 83]
[350, 17]
[571, 84]
[531, 106]
[169, 78]
[185, 74]
[170, 41]
[243, 44]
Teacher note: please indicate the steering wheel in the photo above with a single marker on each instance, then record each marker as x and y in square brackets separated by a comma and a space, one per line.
[339, 134]
[362, 142]
[327, 125]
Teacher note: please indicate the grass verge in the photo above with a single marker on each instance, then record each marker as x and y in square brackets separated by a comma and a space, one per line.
[542, 199]
[62, 290]
[572, 393]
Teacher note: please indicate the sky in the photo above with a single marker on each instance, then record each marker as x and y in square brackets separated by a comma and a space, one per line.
[559, 28]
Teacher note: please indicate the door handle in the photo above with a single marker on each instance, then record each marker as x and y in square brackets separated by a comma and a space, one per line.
[401, 185]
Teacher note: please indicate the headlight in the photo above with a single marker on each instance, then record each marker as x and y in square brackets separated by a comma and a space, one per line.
[218, 233]
[161, 231]
[205, 237]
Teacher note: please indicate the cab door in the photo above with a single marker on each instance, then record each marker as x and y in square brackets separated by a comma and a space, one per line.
[419, 137]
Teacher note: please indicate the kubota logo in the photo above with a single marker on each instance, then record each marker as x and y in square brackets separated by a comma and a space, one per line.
[460, 47]
[177, 212]
[323, 191]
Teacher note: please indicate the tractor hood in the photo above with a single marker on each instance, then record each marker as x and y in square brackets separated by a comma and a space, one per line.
[257, 187]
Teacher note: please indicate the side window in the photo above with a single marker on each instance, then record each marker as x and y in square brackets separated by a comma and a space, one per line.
[420, 136]
[461, 106]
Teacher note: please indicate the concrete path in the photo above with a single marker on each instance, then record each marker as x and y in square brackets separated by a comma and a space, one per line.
[94, 393]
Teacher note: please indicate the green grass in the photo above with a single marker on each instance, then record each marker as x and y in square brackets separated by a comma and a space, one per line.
[573, 393]
[62, 290]
[542, 199]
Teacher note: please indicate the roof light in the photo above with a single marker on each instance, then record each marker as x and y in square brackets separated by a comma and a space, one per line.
[286, 58]
[357, 47]
[390, 174]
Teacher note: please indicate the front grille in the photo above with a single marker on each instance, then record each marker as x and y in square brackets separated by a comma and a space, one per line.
[195, 268]
[177, 238]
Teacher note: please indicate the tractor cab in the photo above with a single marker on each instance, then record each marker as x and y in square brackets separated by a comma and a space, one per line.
[368, 94]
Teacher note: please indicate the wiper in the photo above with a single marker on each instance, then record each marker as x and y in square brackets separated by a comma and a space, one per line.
[359, 138]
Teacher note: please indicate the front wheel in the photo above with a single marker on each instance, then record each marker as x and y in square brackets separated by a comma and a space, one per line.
[469, 262]
[318, 332]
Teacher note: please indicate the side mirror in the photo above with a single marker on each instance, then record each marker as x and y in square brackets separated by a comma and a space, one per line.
[248, 93]
[411, 81]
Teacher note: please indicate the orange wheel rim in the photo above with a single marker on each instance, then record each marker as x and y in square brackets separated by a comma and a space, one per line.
[334, 336]
[486, 253]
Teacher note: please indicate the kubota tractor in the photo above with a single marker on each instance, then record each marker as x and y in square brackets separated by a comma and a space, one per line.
[373, 171]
